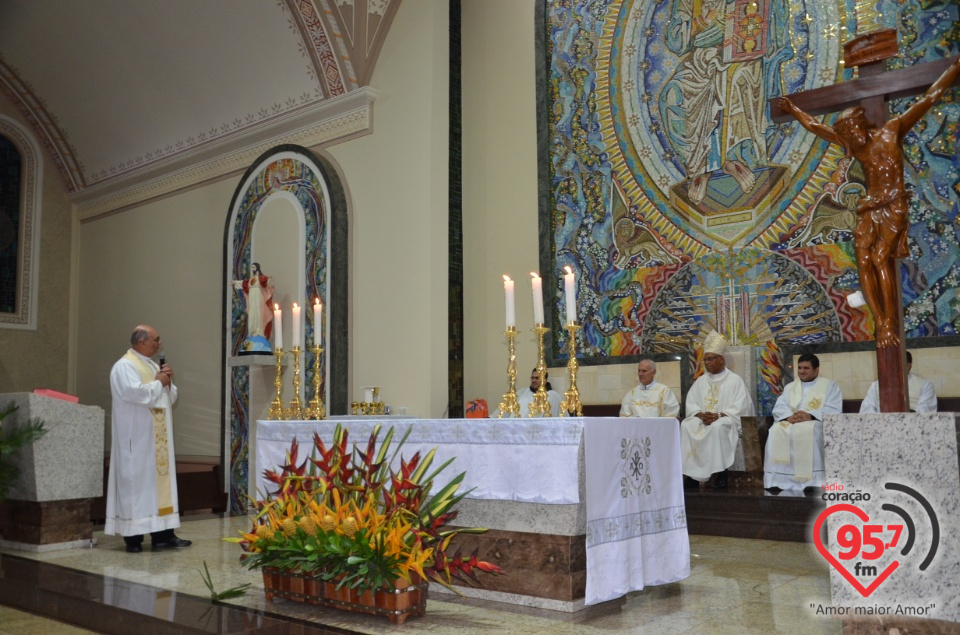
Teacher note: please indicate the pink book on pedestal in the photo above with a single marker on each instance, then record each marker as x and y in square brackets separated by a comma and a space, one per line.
[46, 392]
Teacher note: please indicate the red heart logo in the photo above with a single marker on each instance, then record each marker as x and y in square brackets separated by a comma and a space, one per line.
[862, 515]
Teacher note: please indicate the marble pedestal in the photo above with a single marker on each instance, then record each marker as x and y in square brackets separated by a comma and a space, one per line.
[48, 507]
[882, 454]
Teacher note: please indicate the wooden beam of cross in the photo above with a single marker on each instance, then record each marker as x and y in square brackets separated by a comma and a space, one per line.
[876, 142]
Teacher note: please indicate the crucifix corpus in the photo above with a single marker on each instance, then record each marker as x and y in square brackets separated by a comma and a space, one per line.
[863, 130]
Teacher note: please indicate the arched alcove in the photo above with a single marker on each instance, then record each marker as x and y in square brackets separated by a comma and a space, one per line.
[289, 215]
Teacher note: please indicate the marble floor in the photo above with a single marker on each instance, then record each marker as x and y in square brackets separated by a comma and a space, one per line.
[735, 586]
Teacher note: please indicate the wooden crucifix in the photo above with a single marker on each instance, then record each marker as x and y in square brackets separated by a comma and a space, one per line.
[882, 215]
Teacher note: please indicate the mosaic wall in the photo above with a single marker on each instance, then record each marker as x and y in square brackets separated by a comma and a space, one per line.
[683, 208]
[302, 181]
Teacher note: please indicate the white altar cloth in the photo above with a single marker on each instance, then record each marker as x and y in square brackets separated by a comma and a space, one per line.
[636, 523]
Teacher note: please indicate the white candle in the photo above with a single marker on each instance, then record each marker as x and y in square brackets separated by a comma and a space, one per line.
[296, 325]
[511, 302]
[277, 326]
[570, 289]
[317, 323]
[537, 285]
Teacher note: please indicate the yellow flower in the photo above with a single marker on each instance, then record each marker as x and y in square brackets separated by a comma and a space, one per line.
[349, 526]
[329, 523]
[264, 532]
[289, 527]
[307, 525]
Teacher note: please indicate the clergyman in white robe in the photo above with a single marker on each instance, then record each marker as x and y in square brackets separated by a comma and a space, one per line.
[706, 449]
[923, 396]
[793, 457]
[652, 400]
[142, 486]
[525, 398]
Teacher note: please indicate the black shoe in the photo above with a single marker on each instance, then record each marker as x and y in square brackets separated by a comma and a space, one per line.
[773, 490]
[689, 483]
[720, 483]
[810, 490]
[174, 542]
[134, 548]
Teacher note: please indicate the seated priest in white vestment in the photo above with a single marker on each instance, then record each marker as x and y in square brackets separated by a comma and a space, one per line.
[525, 396]
[923, 397]
[716, 401]
[793, 458]
[649, 398]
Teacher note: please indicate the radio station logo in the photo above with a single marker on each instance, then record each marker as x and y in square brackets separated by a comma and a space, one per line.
[863, 540]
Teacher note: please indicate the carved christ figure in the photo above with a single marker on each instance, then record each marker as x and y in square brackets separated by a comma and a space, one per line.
[258, 292]
[882, 215]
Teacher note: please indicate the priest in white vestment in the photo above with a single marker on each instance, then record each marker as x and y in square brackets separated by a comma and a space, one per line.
[923, 397]
[793, 457]
[716, 401]
[142, 483]
[649, 398]
[525, 395]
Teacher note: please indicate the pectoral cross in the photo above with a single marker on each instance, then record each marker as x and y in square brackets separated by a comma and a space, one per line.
[880, 154]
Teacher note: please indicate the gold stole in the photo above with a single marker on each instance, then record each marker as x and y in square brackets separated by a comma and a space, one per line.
[160, 441]
[816, 395]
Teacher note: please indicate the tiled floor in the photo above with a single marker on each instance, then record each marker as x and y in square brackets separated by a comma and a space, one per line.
[735, 586]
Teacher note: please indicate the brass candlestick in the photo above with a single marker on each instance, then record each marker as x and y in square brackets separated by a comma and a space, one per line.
[571, 398]
[509, 405]
[276, 407]
[316, 409]
[295, 411]
[540, 406]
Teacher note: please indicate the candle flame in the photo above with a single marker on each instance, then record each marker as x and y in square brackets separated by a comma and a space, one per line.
[506, 278]
[534, 274]
[316, 301]
[276, 307]
[568, 269]
[295, 305]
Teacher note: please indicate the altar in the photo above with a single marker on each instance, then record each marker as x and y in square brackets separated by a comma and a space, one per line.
[580, 510]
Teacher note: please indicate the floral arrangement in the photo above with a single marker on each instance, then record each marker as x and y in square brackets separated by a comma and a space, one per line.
[345, 516]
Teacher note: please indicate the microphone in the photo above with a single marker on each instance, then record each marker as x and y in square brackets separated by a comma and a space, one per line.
[163, 359]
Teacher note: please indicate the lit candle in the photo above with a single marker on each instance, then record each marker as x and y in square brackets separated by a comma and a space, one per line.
[570, 288]
[537, 284]
[277, 326]
[511, 302]
[317, 323]
[296, 325]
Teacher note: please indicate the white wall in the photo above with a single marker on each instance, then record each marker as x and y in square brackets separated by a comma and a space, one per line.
[499, 188]
[397, 179]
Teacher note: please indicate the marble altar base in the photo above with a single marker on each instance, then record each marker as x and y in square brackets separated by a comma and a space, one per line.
[49, 503]
[870, 453]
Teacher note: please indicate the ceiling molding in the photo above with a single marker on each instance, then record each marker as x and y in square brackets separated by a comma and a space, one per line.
[322, 124]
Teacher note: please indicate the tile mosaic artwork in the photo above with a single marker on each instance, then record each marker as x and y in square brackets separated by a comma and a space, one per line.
[303, 181]
[682, 208]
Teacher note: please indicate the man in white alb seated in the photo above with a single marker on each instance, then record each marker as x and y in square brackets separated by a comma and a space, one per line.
[649, 398]
[716, 401]
[525, 395]
[793, 458]
[923, 397]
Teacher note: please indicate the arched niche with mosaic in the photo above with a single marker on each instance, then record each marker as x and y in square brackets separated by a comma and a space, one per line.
[682, 208]
[310, 185]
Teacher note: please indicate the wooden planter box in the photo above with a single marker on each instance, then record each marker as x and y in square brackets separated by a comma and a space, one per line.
[395, 603]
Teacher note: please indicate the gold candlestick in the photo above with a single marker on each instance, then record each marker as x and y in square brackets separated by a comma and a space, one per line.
[295, 411]
[571, 398]
[276, 407]
[540, 406]
[316, 409]
[509, 405]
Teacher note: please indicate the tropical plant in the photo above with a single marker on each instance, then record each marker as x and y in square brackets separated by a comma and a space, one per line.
[347, 516]
[12, 439]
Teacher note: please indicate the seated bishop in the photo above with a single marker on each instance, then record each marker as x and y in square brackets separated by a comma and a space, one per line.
[793, 458]
[923, 397]
[716, 401]
[649, 398]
